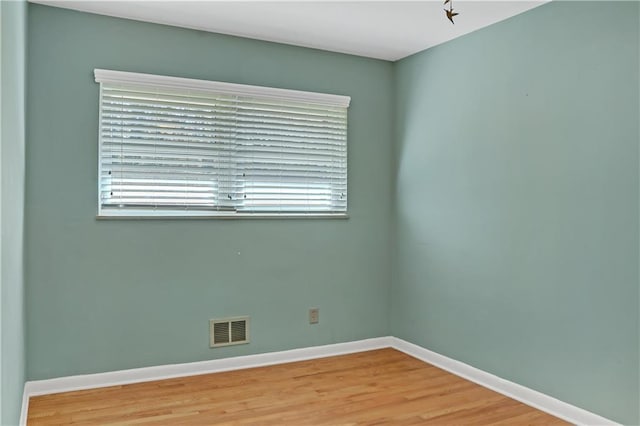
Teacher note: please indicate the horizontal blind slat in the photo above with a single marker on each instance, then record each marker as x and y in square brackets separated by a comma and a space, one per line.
[159, 117]
[168, 107]
[192, 100]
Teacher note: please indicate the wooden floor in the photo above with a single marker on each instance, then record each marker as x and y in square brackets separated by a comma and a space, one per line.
[368, 388]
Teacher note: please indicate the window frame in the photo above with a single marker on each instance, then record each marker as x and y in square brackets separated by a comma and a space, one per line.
[214, 87]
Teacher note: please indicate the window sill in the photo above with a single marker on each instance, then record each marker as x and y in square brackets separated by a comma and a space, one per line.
[224, 216]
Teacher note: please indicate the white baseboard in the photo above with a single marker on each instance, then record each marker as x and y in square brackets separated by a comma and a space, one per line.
[25, 407]
[528, 396]
[533, 398]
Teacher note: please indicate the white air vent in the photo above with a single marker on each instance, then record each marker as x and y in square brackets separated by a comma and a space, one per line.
[228, 331]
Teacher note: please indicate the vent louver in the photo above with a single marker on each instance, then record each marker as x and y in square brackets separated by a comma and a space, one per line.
[238, 331]
[228, 331]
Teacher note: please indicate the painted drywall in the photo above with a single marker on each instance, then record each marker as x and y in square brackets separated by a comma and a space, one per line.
[516, 186]
[106, 295]
[13, 27]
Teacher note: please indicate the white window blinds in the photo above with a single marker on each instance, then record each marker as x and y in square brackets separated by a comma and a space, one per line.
[181, 147]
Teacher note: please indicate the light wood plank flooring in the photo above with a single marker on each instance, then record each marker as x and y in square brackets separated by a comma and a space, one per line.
[368, 388]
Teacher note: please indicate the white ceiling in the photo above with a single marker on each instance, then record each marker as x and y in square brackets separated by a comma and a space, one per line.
[388, 30]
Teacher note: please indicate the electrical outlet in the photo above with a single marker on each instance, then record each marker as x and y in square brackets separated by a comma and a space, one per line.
[314, 315]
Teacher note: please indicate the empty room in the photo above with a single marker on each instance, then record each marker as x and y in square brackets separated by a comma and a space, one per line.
[319, 212]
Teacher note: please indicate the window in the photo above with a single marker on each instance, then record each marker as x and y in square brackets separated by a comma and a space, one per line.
[181, 147]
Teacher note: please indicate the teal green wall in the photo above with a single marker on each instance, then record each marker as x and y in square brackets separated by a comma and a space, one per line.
[516, 229]
[13, 28]
[115, 294]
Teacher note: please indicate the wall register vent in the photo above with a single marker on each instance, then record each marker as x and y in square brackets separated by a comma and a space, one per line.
[228, 331]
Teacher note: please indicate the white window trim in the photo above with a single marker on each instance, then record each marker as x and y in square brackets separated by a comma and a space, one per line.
[225, 215]
[214, 87]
